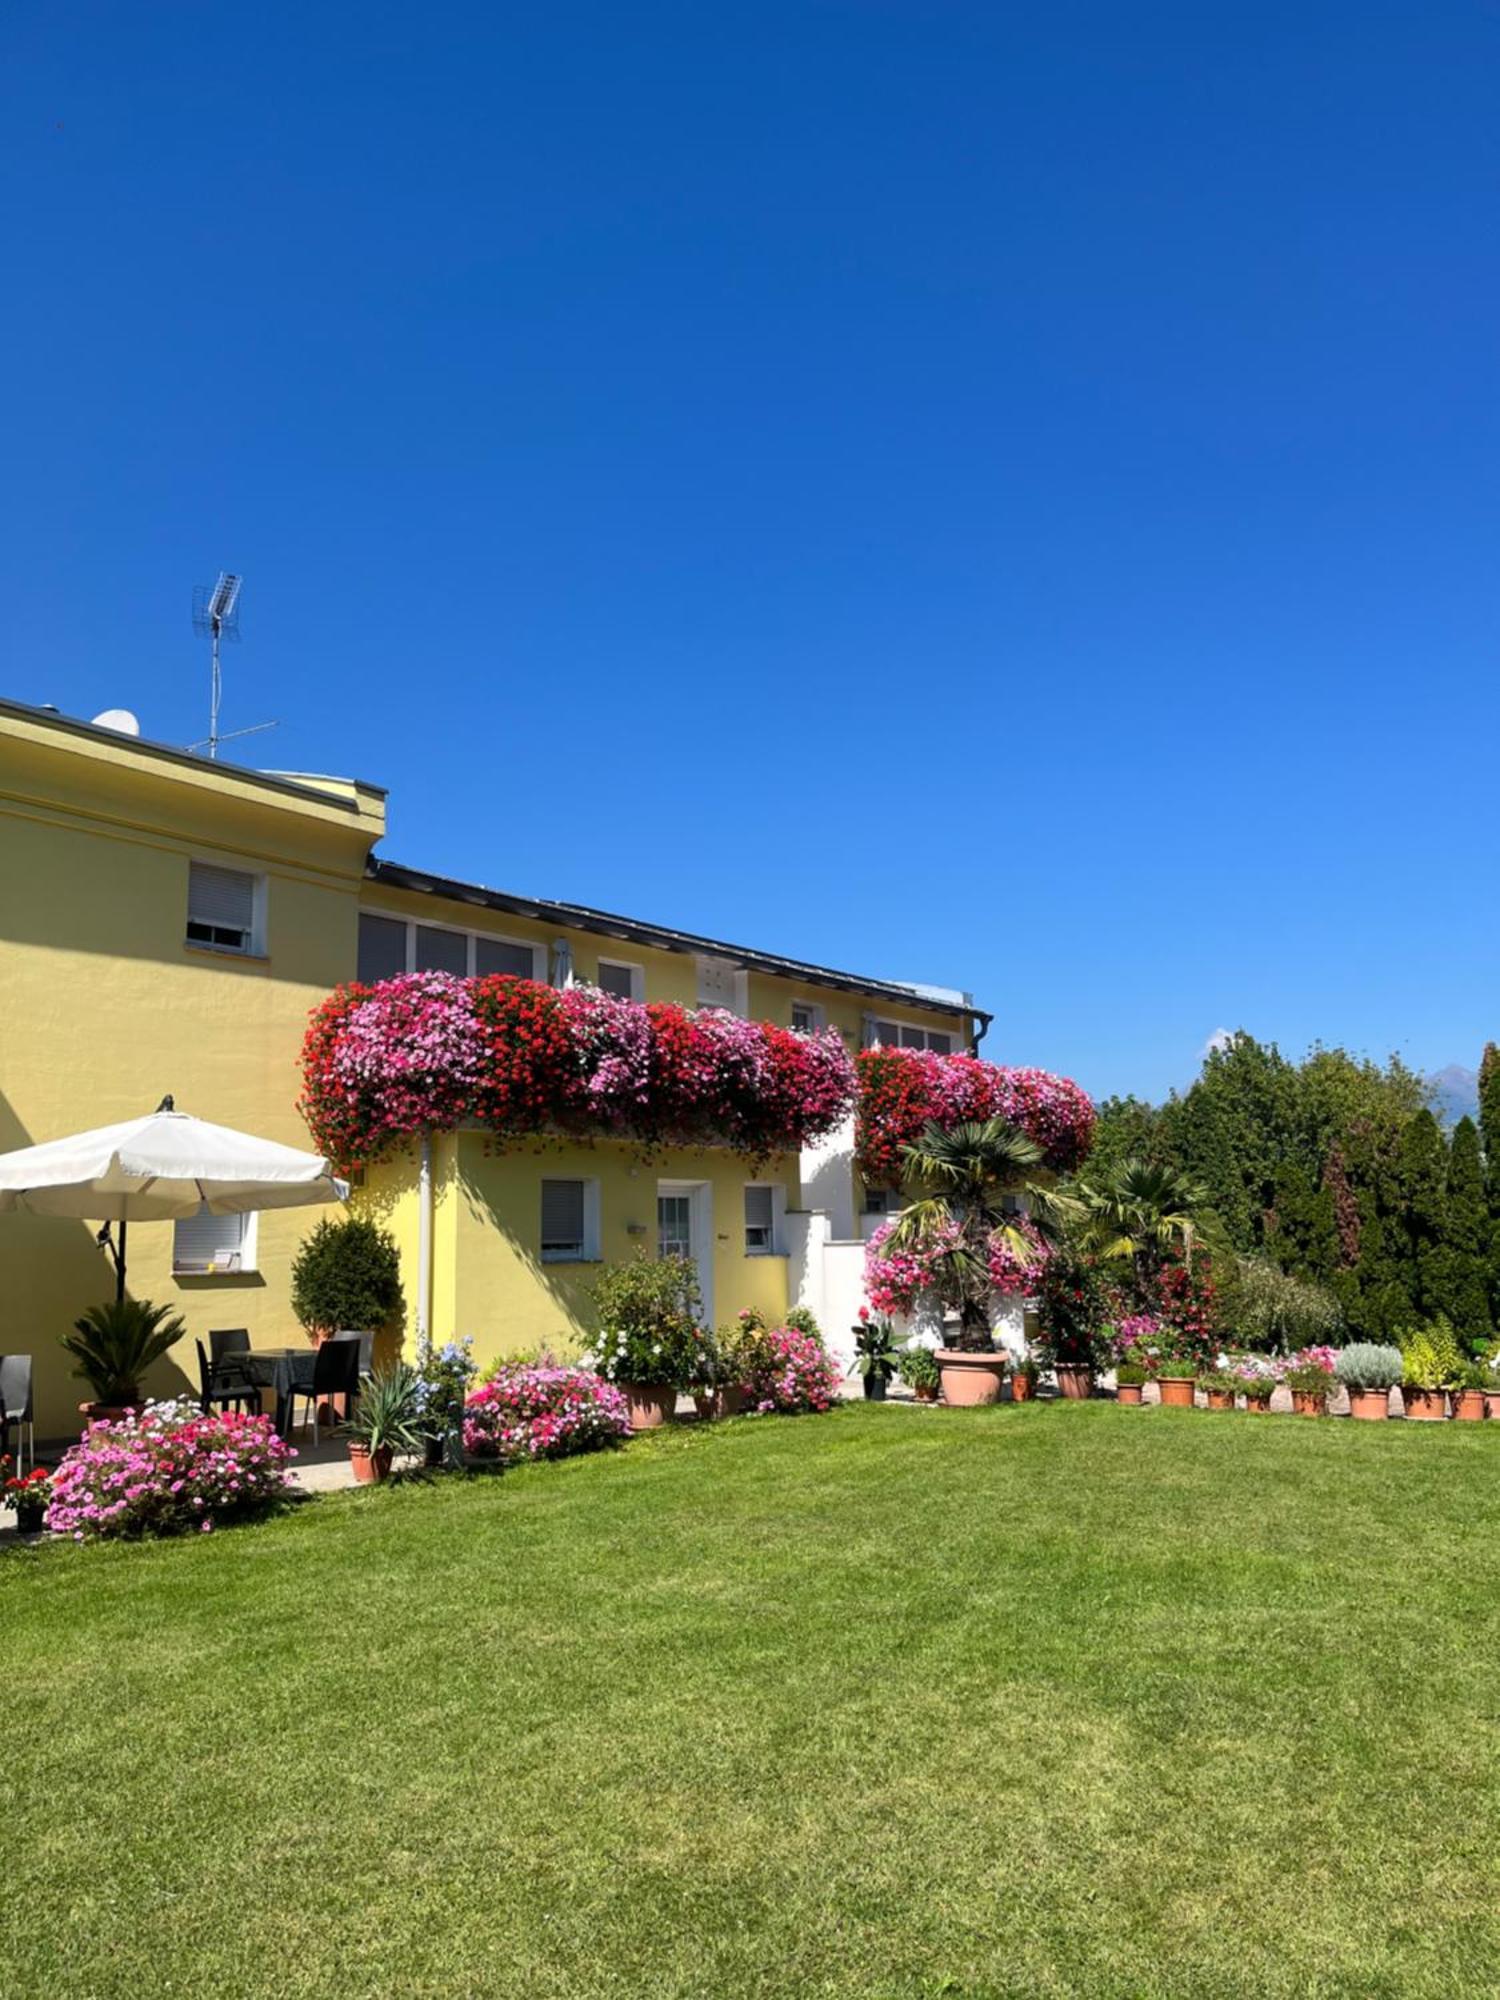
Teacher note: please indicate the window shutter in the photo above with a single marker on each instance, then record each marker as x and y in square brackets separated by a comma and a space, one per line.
[616, 979]
[382, 948]
[442, 951]
[201, 1242]
[495, 955]
[222, 897]
[760, 1218]
[562, 1218]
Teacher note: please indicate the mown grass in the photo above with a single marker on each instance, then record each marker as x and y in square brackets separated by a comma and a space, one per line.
[1042, 1700]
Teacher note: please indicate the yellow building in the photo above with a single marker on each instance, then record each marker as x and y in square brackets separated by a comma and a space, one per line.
[167, 923]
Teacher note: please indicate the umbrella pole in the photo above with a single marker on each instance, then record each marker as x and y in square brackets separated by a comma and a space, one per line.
[120, 1264]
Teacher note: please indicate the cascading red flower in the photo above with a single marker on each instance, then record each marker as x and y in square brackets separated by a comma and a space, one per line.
[901, 1090]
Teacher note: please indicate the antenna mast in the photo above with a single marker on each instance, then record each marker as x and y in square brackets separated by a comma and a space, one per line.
[216, 614]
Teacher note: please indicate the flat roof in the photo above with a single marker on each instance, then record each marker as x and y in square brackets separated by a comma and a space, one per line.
[630, 930]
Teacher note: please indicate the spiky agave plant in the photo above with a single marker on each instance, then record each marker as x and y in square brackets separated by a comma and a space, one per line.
[974, 1181]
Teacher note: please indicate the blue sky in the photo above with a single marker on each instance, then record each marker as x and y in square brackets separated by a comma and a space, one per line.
[1004, 496]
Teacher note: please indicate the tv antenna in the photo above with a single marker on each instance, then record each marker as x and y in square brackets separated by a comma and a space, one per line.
[216, 617]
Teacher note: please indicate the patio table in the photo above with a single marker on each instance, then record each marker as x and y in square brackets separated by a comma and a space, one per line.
[282, 1369]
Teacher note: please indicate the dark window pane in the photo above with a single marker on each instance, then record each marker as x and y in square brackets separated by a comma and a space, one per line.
[616, 979]
[382, 948]
[442, 951]
[495, 955]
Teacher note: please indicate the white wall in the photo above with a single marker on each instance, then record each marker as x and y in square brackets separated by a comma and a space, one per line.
[828, 1179]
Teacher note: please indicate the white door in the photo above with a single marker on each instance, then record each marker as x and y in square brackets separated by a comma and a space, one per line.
[682, 1230]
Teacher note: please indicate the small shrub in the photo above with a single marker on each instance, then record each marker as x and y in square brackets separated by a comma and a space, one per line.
[1364, 1365]
[800, 1320]
[1309, 1378]
[1070, 1312]
[1271, 1311]
[1130, 1375]
[649, 1331]
[161, 1473]
[1254, 1375]
[1218, 1381]
[347, 1276]
[919, 1369]
[1430, 1355]
[523, 1412]
[791, 1374]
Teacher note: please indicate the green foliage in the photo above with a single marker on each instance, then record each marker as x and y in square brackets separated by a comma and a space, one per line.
[388, 1414]
[876, 1355]
[1364, 1365]
[918, 1366]
[1071, 1311]
[1274, 1313]
[115, 1344]
[1458, 1268]
[1309, 1378]
[347, 1277]
[1430, 1355]
[1140, 1215]
[649, 1312]
[1130, 1374]
[800, 1320]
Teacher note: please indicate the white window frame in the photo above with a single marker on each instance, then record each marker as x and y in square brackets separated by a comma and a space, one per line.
[817, 1011]
[255, 945]
[245, 1260]
[538, 951]
[777, 1245]
[637, 975]
[589, 1250]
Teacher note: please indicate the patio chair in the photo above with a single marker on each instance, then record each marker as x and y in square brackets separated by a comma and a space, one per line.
[16, 1407]
[335, 1372]
[366, 1350]
[226, 1340]
[224, 1385]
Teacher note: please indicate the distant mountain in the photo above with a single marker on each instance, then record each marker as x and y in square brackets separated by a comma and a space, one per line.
[1454, 1093]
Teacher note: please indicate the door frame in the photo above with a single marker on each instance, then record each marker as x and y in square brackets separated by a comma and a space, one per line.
[700, 1234]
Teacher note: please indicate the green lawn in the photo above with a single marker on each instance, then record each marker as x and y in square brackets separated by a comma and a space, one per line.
[1060, 1699]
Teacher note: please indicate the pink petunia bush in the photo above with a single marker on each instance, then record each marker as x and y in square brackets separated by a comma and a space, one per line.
[791, 1373]
[1016, 1273]
[168, 1470]
[896, 1279]
[526, 1412]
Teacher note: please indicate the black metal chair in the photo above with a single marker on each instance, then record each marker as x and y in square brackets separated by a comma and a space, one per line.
[226, 1386]
[224, 1341]
[16, 1407]
[335, 1372]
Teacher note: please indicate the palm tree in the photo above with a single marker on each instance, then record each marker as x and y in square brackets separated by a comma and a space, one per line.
[981, 1176]
[1144, 1213]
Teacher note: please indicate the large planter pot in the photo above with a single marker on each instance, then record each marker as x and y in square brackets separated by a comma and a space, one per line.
[1425, 1406]
[874, 1388]
[1075, 1384]
[651, 1404]
[1176, 1391]
[1468, 1405]
[732, 1399]
[969, 1379]
[1022, 1388]
[1129, 1392]
[370, 1467]
[1492, 1403]
[1370, 1406]
[706, 1403]
[1220, 1399]
[1309, 1402]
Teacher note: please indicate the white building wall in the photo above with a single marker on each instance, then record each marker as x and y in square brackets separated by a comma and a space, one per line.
[828, 1179]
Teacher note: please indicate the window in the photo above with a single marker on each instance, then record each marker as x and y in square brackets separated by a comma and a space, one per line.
[221, 907]
[894, 1035]
[883, 1201]
[382, 948]
[205, 1243]
[674, 1225]
[721, 983]
[392, 945]
[807, 1017]
[626, 982]
[570, 1221]
[760, 1221]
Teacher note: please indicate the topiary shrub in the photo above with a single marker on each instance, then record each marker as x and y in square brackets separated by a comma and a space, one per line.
[347, 1277]
[1430, 1355]
[1365, 1365]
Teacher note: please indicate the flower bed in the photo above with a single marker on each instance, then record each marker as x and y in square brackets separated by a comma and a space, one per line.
[168, 1471]
[430, 1052]
[901, 1090]
[525, 1412]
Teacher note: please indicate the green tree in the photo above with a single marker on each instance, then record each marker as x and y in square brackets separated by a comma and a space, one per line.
[1460, 1266]
[1125, 1128]
[1421, 1189]
[1142, 1216]
[1489, 1130]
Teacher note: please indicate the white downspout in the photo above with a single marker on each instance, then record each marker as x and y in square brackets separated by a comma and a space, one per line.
[424, 1245]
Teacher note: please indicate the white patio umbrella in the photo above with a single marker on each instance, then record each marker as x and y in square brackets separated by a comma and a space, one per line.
[159, 1168]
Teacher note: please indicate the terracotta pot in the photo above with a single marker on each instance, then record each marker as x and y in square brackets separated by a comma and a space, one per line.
[1468, 1405]
[1022, 1388]
[652, 1404]
[1425, 1406]
[926, 1393]
[370, 1467]
[1309, 1402]
[706, 1406]
[969, 1379]
[1260, 1405]
[1128, 1392]
[104, 1413]
[1492, 1403]
[1075, 1384]
[1176, 1391]
[1220, 1399]
[1370, 1406]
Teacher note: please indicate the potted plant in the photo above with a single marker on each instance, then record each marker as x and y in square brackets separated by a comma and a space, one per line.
[114, 1345]
[1070, 1322]
[1023, 1378]
[1430, 1360]
[707, 1384]
[919, 1371]
[1369, 1372]
[983, 1212]
[29, 1496]
[1468, 1391]
[1130, 1381]
[875, 1355]
[387, 1419]
[346, 1278]
[1220, 1388]
[1255, 1377]
[650, 1343]
[1310, 1378]
[444, 1377]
